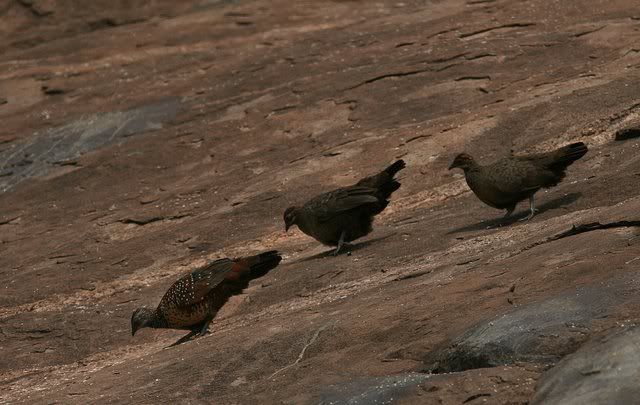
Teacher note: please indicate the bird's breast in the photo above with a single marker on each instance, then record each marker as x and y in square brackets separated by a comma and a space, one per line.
[187, 316]
[485, 189]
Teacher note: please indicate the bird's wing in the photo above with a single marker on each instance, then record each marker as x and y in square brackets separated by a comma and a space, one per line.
[515, 175]
[328, 205]
[193, 287]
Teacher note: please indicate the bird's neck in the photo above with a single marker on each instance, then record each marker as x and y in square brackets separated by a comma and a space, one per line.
[158, 320]
[301, 222]
[472, 167]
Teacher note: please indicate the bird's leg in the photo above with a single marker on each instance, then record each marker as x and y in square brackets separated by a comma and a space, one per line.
[184, 338]
[200, 332]
[205, 327]
[340, 243]
[509, 212]
[532, 208]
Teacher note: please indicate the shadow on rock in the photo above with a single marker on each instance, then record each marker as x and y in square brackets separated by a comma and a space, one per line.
[500, 221]
[346, 249]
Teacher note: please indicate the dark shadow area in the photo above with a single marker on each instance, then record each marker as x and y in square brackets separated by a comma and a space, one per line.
[347, 248]
[627, 133]
[500, 221]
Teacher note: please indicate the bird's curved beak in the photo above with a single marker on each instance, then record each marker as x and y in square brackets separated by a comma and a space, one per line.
[452, 166]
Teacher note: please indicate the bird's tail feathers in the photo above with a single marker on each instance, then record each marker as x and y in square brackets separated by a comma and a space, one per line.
[387, 187]
[569, 154]
[395, 168]
[261, 264]
[384, 182]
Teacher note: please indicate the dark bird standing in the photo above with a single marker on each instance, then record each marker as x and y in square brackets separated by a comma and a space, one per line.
[192, 302]
[508, 181]
[345, 214]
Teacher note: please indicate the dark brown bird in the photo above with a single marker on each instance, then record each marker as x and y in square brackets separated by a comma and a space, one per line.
[345, 214]
[508, 181]
[192, 302]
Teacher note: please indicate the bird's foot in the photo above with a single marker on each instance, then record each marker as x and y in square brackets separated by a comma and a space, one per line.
[340, 244]
[340, 249]
[205, 328]
[531, 215]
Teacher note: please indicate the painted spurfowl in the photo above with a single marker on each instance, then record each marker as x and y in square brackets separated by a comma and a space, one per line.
[503, 184]
[192, 302]
[345, 214]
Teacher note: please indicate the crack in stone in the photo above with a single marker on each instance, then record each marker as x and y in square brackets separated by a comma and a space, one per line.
[593, 226]
[500, 27]
[389, 75]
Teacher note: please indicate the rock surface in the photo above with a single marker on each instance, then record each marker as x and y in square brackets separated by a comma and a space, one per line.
[540, 332]
[140, 139]
[604, 372]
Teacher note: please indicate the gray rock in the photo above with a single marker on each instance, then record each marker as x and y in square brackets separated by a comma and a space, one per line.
[39, 153]
[539, 332]
[606, 371]
[372, 390]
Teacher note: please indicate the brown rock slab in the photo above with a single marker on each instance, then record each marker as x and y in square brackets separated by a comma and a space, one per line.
[258, 101]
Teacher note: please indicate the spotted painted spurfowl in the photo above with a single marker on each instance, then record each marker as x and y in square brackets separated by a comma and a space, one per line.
[192, 302]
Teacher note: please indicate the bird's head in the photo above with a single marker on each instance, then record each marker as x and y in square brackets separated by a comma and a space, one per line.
[290, 217]
[464, 161]
[141, 318]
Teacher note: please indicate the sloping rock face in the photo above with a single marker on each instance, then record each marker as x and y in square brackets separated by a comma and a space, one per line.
[604, 372]
[540, 332]
[141, 139]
